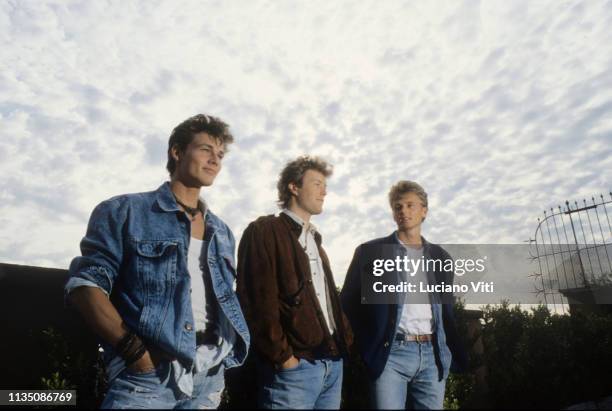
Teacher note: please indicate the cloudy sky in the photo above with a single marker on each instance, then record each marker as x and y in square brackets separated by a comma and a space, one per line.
[500, 109]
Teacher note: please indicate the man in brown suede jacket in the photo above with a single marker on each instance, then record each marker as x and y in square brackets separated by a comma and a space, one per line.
[288, 295]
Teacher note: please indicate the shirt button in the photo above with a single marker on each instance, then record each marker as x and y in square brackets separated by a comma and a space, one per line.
[188, 327]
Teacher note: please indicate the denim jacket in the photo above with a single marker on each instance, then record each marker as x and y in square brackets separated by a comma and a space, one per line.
[136, 247]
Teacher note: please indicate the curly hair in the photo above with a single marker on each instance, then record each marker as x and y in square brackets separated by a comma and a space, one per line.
[294, 173]
[403, 187]
[183, 134]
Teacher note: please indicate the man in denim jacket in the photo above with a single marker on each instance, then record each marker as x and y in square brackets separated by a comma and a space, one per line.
[155, 282]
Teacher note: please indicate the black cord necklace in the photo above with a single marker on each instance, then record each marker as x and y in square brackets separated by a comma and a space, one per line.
[192, 211]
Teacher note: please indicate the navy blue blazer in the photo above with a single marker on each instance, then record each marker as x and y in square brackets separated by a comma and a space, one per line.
[375, 325]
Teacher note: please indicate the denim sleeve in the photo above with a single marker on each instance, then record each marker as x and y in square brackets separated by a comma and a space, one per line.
[75, 282]
[101, 248]
[460, 357]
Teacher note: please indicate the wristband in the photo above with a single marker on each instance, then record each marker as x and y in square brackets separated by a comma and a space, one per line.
[136, 355]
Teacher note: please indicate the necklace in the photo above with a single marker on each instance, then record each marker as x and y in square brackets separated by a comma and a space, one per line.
[192, 211]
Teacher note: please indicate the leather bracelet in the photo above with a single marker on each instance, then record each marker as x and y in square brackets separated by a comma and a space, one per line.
[125, 343]
[133, 348]
[136, 355]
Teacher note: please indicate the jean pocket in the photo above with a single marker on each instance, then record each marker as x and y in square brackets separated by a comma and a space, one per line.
[300, 365]
[148, 384]
[158, 373]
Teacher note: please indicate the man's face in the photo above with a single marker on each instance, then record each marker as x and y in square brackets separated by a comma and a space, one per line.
[201, 161]
[311, 195]
[408, 211]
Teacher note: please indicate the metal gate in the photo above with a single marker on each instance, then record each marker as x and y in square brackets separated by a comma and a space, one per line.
[572, 248]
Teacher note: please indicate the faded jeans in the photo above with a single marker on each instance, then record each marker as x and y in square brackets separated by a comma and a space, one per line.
[410, 379]
[156, 389]
[310, 385]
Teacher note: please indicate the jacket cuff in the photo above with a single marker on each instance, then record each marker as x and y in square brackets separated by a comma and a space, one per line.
[76, 282]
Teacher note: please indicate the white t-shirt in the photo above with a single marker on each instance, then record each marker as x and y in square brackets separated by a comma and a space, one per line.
[416, 319]
[198, 294]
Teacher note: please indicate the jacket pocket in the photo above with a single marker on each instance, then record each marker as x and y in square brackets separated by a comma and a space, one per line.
[156, 262]
[300, 320]
[294, 299]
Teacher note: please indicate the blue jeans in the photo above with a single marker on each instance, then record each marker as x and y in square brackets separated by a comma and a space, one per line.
[309, 385]
[156, 389]
[410, 374]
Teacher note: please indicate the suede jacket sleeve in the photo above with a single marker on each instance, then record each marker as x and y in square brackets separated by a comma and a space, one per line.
[257, 289]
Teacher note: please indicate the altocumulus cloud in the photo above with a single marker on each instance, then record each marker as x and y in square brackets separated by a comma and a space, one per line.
[499, 109]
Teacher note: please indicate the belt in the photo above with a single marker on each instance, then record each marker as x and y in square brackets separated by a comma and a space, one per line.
[417, 338]
[207, 337]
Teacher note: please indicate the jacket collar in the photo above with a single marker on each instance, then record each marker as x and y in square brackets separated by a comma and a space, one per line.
[394, 239]
[165, 198]
[166, 202]
[296, 227]
[311, 227]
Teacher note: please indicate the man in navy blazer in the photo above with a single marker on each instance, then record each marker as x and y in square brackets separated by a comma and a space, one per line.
[407, 348]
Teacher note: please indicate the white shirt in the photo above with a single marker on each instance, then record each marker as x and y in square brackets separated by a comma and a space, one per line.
[416, 319]
[309, 245]
[198, 295]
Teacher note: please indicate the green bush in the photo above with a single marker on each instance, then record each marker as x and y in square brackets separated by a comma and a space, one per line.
[71, 366]
[541, 360]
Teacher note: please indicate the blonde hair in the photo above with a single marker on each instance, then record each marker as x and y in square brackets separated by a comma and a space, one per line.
[405, 186]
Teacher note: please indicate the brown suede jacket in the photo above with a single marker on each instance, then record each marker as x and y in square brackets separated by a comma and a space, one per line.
[277, 296]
